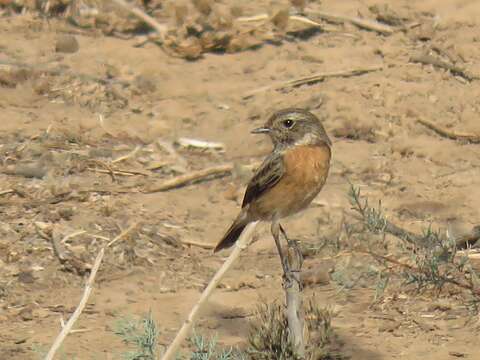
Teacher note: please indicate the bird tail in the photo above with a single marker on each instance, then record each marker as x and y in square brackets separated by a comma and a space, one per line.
[233, 233]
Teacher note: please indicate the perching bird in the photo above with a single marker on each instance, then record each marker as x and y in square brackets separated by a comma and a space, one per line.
[289, 178]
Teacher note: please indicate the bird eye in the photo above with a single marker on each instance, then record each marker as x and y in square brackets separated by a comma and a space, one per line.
[288, 123]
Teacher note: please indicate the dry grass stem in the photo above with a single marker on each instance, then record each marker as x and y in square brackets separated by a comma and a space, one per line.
[470, 138]
[241, 244]
[127, 156]
[119, 172]
[108, 169]
[253, 18]
[296, 18]
[200, 144]
[158, 165]
[178, 159]
[194, 176]
[366, 24]
[83, 301]
[86, 294]
[72, 235]
[6, 192]
[197, 244]
[122, 234]
[312, 79]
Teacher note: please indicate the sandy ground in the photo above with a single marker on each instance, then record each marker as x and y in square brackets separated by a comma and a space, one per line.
[63, 128]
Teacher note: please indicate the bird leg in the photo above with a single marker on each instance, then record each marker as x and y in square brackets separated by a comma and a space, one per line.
[283, 232]
[293, 245]
[275, 229]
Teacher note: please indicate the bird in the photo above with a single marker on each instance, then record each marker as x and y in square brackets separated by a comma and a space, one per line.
[289, 178]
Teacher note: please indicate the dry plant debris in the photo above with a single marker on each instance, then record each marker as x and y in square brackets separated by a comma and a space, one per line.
[199, 27]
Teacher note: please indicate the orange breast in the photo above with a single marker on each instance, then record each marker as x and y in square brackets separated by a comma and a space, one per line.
[306, 170]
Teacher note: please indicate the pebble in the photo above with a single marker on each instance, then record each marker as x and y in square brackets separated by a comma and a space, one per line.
[67, 44]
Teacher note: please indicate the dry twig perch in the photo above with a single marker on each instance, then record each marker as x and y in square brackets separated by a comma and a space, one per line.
[241, 244]
[312, 79]
[469, 138]
[293, 297]
[86, 294]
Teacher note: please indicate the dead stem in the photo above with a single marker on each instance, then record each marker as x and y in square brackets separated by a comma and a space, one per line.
[86, 294]
[469, 138]
[366, 24]
[194, 176]
[311, 79]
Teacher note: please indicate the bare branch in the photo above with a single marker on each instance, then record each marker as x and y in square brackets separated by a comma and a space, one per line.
[241, 244]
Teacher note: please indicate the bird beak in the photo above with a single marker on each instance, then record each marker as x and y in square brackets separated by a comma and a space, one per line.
[261, 130]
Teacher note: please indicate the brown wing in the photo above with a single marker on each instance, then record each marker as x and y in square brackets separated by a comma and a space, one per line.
[267, 175]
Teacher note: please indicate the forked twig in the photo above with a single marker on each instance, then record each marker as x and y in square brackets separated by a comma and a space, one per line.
[241, 244]
[83, 301]
[470, 138]
[86, 294]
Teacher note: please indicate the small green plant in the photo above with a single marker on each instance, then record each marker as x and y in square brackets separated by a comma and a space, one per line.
[42, 350]
[207, 349]
[39, 350]
[269, 338]
[142, 334]
[434, 259]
